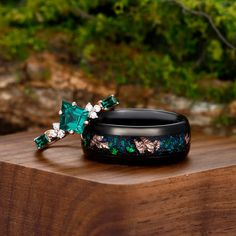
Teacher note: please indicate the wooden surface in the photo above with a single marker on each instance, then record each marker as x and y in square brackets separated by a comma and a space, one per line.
[59, 192]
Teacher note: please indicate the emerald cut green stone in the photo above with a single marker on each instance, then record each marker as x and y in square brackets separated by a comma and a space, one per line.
[41, 141]
[109, 102]
[72, 118]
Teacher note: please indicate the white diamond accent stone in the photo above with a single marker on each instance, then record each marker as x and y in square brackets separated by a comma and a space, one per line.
[89, 107]
[60, 133]
[93, 115]
[56, 126]
[52, 133]
[97, 108]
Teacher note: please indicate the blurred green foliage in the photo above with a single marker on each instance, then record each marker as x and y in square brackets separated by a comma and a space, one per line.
[154, 43]
[225, 120]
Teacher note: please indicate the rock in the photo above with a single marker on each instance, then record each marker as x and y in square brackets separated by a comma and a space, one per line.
[10, 97]
[232, 108]
[78, 83]
[43, 108]
[36, 100]
[133, 95]
[209, 109]
[7, 80]
[5, 96]
[50, 99]
[176, 103]
[234, 131]
[12, 106]
[62, 76]
[199, 120]
[36, 70]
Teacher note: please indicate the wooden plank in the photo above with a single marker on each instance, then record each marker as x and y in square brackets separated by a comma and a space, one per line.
[59, 192]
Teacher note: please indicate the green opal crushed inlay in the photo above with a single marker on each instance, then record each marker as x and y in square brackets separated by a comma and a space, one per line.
[136, 146]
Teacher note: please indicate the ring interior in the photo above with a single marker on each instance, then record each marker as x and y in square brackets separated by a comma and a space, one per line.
[138, 117]
[139, 122]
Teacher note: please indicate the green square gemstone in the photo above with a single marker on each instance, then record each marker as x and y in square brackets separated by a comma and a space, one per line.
[41, 141]
[72, 118]
[109, 102]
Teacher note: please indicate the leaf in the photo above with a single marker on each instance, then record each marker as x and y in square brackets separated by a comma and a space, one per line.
[215, 50]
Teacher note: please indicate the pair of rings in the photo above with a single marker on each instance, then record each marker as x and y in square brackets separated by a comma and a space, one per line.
[73, 119]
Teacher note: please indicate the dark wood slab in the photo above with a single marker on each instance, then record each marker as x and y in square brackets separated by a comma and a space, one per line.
[59, 192]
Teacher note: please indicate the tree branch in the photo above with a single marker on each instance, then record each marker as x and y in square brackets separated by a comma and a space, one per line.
[209, 19]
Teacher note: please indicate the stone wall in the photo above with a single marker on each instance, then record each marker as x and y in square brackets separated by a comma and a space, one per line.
[31, 94]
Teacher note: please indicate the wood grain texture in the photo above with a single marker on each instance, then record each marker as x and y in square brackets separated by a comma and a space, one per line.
[59, 192]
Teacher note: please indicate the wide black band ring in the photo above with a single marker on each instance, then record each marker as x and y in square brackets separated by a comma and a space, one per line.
[137, 135]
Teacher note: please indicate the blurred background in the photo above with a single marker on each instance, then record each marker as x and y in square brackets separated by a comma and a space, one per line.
[175, 55]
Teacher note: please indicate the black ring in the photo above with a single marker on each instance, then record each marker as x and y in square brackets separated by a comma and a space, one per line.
[137, 134]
